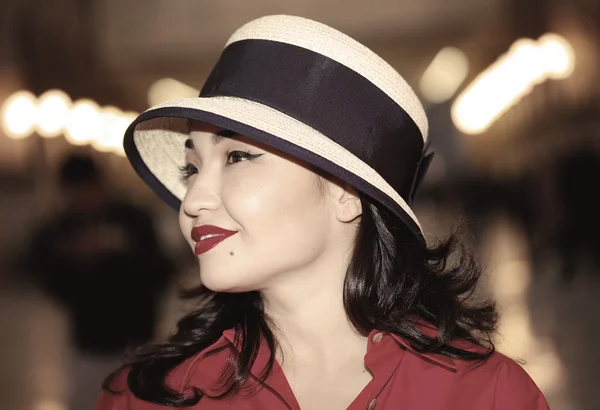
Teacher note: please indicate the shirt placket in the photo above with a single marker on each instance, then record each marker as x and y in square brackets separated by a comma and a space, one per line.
[382, 359]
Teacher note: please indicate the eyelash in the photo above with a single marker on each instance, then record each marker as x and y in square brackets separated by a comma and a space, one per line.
[190, 169]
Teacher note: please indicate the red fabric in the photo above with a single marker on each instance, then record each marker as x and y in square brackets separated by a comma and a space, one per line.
[402, 378]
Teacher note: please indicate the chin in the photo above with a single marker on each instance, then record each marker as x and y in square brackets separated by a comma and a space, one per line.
[224, 283]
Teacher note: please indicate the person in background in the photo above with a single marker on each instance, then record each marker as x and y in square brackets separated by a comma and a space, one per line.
[100, 259]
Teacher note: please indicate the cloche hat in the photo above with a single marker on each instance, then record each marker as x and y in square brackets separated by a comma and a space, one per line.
[309, 91]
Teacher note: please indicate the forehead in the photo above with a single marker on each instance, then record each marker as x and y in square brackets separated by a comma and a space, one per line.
[199, 126]
[202, 130]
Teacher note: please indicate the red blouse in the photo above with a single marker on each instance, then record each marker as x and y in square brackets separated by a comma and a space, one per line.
[402, 379]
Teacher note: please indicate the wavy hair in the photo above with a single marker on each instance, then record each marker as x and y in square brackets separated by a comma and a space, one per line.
[393, 284]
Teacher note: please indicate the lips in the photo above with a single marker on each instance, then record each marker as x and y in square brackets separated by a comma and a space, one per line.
[209, 236]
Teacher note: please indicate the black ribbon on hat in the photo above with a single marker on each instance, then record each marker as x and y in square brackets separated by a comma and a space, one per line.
[422, 168]
[329, 97]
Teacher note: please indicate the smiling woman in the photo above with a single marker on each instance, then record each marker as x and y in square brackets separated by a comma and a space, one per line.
[293, 173]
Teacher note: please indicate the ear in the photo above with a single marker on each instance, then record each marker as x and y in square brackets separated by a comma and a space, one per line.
[347, 203]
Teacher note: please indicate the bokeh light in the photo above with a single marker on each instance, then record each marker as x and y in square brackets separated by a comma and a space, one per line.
[52, 113]
[558, 55]
[18, 114]
[84, 124]
[503, 84]
[113, 128]
[444, 75]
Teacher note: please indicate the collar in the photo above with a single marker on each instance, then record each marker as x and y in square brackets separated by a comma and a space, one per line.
[438, 359]
[431, 331]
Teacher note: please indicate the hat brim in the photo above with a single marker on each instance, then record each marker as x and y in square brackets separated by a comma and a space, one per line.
[154, 144]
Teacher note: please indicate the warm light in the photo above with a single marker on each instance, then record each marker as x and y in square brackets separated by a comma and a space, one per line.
[481, 101]
[127, 118]
[516, 337]
[130, 116]
[120, 152]
[112, 130]
[114, 125]
[558, 55]
[546, 368]
[511, 279]
[84, 124]
[518, 340]
[18, 114]
[509, 79]
[169, 89]
[52, 113]
[50, 405]
[525, 66]
[444, 75]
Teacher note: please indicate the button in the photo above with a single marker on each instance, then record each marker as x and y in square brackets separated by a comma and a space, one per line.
[377, 338]
[374, 401]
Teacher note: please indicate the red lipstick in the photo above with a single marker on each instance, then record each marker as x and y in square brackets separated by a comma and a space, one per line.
[209, 236]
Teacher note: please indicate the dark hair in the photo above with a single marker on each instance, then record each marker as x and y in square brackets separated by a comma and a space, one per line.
[77, 170]
[393, 284]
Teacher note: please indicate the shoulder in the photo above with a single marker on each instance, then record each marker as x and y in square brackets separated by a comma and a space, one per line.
[497, 382]
[204, 370]
[496, 366]
[118, 396]
[201, 371]
[509, 384]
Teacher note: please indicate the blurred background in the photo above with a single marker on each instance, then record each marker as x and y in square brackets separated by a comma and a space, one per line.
[512, 92]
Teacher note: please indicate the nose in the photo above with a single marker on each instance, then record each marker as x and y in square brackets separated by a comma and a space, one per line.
[201, 195]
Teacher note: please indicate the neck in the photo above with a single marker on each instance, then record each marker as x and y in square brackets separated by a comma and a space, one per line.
[310, 320]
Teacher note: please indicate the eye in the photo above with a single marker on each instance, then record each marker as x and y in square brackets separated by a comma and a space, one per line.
[187, 171]
[239, 156]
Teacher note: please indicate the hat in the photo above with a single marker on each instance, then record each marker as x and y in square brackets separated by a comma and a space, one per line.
[306, 90]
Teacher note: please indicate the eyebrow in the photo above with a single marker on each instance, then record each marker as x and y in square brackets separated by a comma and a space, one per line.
[215, 138]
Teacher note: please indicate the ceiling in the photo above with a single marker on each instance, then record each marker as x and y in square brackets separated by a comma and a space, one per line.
[138, 32]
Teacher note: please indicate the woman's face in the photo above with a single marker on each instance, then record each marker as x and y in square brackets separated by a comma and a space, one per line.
[276, 211]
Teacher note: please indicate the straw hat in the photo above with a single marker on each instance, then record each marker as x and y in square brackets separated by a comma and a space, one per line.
[305, 89]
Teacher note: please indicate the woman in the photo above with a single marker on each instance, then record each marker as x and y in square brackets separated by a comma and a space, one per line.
[297, 166]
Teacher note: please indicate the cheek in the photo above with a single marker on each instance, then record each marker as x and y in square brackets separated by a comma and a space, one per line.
[250, 203]
[283, 202]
